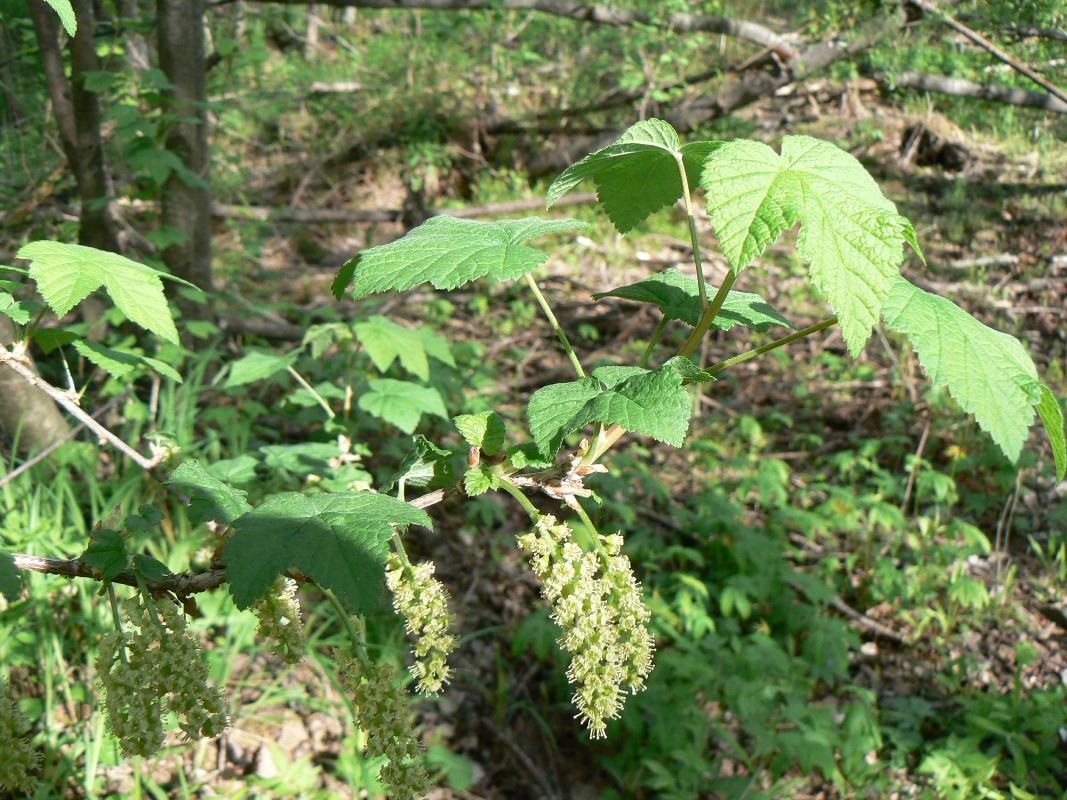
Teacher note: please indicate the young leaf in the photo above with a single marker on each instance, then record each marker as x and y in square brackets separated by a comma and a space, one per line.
[10, 580]
[638, 174]
[425, 466]
[319, 337]
[257, 366]
[650, 402]
[485, 431]
[209, 498]
[401, 403]
[67, 273]
[852, 235]
[66, 15]
[653, 403]
[989, 373]
[559, 409]
[339, 540]
[677, 296]
[152, 569]
[478, 480]
[689, 371]
[449, 252]
[107, 553]
[1048, 408]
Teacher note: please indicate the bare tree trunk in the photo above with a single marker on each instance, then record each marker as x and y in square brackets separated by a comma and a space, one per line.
[186, 202]
[78, 117]
[27, 413]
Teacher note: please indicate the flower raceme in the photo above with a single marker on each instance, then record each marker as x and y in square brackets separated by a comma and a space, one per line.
[156, 667]
[382, 712]
[19, 762]
[280, 622]
[597, 602]
[423, 603]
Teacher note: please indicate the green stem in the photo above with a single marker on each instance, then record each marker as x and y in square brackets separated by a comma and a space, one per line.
[688, 200]
[358, 645]
[522, 499]
[541, 301]
[149, 603]
[116, 615]
[584, 517]
[653, 342]
[826, 323]
[318, 397]
[708, 316]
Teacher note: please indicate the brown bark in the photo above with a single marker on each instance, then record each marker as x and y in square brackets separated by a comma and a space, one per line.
[78, 117]
[186, 202]
[26, 413]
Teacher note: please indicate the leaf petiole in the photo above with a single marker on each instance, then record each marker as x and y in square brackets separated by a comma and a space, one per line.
[547, 309]
[704, 323]
[738, 359]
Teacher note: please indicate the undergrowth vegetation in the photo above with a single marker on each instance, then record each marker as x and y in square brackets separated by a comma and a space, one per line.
[849, 587]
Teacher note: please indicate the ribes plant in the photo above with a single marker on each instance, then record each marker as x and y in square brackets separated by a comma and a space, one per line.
[350, 543]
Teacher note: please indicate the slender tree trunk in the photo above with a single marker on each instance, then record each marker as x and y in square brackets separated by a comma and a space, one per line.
[186, 204]
[78, 116]
[26, 413]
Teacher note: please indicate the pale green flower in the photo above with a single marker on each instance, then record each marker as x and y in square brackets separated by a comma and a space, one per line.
[423, 603]
[382, 712]
[597, 602]
[19, 762]
[279, 620]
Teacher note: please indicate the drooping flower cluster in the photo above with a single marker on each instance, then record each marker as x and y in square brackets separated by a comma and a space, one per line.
[382, 713]
[423, 602]
[279, 620]
[19, 762]
[157, 667]
[597, 602]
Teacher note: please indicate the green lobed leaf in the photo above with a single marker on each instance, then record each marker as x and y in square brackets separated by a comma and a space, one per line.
[558, 409]
[121, 363]
[10, 580]
[339, 540]
[478, 480]
[401, 403]
[1048, 408]
[67, 273]
[66, 15]
[989, 373]
[678, 297]
[638, 174]
[303, 458]
[449, 252]
[151, 569]
[319, 337]
[651, 402]
[425, 466]
[257, 366]
[209, 498]
[10, 307]
[48, 339]
[485, 431]
[689, 371]
[385, 341]
[241, 469]
[107, 553]
[851, 233]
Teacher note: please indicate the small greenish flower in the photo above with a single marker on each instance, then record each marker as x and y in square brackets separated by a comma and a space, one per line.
[19, 762]
[597, 602]
[383, 713]
[279, 620]
[423, 602]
